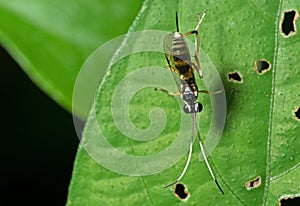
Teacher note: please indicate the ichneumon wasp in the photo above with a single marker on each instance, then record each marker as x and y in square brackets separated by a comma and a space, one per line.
[179, 61]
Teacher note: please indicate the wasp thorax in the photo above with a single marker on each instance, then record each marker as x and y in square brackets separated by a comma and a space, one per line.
[188, 95]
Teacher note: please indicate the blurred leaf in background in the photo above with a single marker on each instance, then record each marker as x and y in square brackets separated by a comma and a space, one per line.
[52, 39]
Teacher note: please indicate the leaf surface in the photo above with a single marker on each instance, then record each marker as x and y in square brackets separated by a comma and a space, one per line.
[261, 134]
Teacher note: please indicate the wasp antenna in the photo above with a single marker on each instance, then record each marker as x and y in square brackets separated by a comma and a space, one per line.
[204, 156]
[186, 165]
[219, 187]
[188, 160]
[177, 27]
[173, 183]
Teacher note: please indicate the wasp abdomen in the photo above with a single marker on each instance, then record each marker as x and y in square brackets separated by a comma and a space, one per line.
[180, 50]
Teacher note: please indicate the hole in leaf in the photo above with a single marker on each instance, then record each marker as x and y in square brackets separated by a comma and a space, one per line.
[235, 77]
[181, 192]
[262, 66]
[289, 201]
[297, 113]
[253, 183]
[288, 26]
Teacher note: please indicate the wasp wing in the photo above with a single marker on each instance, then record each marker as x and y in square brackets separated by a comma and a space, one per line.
[169, 57]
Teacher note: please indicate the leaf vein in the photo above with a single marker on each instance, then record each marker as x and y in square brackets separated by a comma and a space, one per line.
[270, 123]
[285, 172]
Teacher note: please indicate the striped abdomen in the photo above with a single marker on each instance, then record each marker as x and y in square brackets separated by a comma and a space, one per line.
[182, 62]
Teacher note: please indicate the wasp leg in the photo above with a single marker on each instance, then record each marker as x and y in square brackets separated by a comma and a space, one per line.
[208, 92]
[196, 64]
[169, 65]
[197, 67]
[168, 92]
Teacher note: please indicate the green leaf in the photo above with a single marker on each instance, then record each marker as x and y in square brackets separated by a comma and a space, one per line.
[261, 134]
[52, 39]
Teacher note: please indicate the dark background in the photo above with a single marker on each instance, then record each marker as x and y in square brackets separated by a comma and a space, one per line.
[38, 141]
